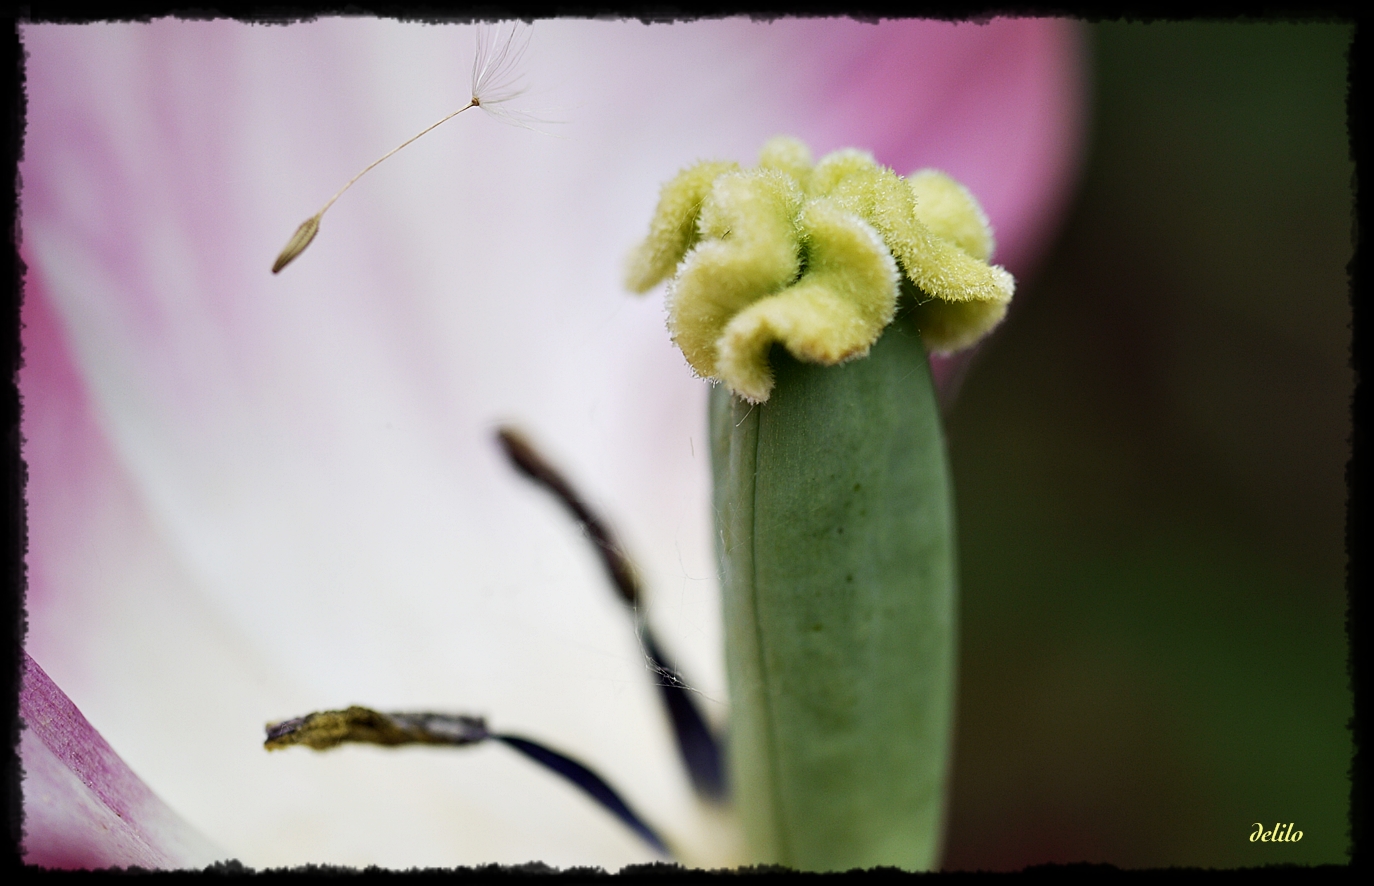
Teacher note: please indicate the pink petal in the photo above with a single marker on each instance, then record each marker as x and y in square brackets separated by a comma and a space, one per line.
[254, 495]
[83, 807]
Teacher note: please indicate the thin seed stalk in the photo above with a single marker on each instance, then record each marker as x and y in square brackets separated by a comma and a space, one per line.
[836, 546]
[311, 226]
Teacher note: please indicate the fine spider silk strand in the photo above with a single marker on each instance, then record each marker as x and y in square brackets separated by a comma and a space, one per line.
[494, 81]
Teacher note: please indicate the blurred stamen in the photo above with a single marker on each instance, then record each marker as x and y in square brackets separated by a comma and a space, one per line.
[323, 730]
[698, 747]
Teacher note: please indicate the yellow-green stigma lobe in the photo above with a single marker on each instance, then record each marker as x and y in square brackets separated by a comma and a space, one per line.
[813, 257]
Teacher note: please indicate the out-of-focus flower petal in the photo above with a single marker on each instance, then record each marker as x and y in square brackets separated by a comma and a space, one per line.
[282, 494]
[83, 806]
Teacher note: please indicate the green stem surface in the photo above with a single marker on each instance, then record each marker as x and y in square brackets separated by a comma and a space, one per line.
[836, 543]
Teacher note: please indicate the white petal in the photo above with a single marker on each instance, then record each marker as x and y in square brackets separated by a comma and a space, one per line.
[291, 500]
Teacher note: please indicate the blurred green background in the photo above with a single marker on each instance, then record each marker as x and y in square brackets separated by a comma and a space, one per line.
[1149, 460]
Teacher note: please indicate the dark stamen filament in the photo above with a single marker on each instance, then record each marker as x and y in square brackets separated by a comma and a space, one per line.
[329, 729]
[698, 747]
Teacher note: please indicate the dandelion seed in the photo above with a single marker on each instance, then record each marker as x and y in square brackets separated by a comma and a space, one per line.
[495, 80]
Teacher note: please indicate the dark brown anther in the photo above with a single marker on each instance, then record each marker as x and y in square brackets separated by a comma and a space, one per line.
[327, 729]
[529, 462]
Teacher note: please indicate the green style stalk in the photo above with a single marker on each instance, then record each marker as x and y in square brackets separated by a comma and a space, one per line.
[811, 293]
[837, 553]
